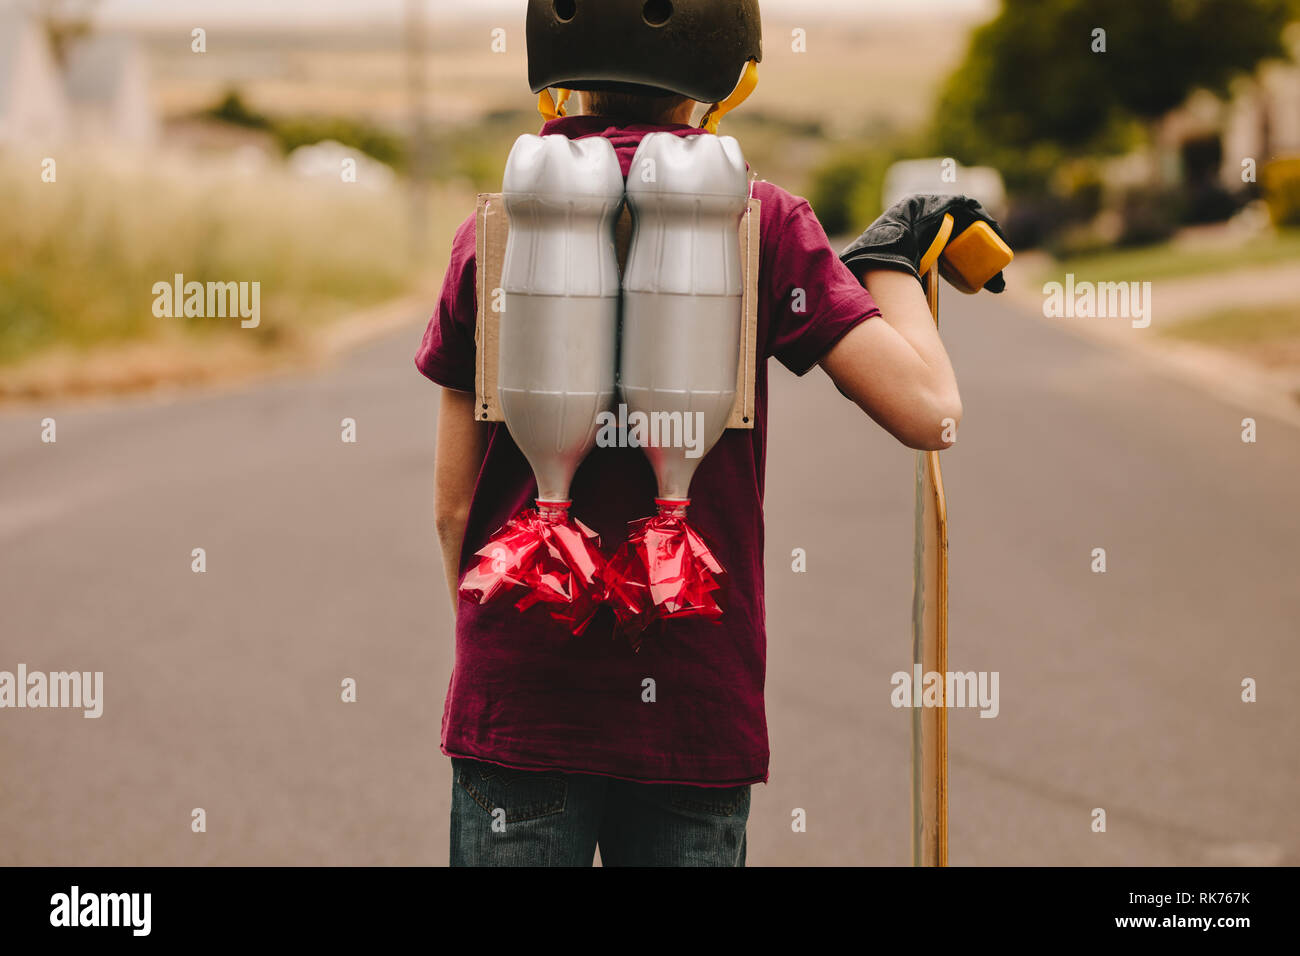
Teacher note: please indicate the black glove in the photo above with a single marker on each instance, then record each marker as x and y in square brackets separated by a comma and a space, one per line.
[907, 229]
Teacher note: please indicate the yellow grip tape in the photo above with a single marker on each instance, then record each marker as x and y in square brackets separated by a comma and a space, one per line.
[932, 254]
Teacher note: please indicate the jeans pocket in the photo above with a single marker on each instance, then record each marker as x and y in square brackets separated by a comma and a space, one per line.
[715, 801]
[522, 794]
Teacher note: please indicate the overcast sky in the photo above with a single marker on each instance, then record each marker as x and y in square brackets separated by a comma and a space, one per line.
[318, 11]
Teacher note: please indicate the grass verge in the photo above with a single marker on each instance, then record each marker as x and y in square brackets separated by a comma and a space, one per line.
[79, 258]
[1270, 335]
[1173, 260]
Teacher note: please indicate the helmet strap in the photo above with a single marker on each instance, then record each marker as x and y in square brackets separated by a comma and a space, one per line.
[748, 81]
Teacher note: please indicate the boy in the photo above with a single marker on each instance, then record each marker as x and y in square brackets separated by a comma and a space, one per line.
[557, 745]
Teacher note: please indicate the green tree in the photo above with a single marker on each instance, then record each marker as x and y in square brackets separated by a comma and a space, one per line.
[1034, 82]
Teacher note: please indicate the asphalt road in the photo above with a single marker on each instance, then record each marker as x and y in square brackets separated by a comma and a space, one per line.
[1119, 691]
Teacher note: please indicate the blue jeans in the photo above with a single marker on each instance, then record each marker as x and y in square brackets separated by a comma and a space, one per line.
[502, 817]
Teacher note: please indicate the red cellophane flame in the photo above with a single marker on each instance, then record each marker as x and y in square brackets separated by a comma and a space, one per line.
[663, 571]
[552, 558]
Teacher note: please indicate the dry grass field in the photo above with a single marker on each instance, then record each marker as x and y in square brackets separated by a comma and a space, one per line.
[858, 72]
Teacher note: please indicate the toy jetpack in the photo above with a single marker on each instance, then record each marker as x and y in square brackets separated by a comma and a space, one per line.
[558, 359]
[682, 316]
[557, 365]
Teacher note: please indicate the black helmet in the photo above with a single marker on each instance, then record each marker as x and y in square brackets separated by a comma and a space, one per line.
[697, 48]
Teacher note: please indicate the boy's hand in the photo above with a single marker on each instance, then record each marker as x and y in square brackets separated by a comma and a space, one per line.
[903, 234]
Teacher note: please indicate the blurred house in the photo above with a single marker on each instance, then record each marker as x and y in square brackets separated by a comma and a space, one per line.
[1261, 121]
[33, 103]
[107, 84]
[99, 94]
[1264, 121]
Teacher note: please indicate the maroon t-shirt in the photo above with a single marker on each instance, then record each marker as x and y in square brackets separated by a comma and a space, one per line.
[527, 694]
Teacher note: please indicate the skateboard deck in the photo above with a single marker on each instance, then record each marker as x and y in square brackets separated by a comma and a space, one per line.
[930, 650]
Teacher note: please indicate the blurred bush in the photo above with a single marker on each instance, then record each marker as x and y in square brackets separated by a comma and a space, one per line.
[374, 142]
[1081, 191]
[834, 190]
[1148, 216]
[1033, 220]
[292, 132]
[1211, 202]
[232, 109]
[479, 157]
[1207, 199]
[845, 190]
[1281, 180]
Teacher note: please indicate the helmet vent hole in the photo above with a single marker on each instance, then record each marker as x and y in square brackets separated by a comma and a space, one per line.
[657, 12]
[565, 9]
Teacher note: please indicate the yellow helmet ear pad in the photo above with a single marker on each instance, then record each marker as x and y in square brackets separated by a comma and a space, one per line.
[552, 108]
[748, 81]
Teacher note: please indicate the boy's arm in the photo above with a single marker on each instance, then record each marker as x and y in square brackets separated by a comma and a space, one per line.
[462, 443]
[896, 369]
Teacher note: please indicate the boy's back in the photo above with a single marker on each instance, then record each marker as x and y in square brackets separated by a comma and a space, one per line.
[529, 695]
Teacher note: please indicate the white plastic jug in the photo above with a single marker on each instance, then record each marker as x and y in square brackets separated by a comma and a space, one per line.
[559, 330]
[683, 297]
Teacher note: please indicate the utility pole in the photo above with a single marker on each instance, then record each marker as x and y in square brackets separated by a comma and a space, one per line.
[418, 167]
